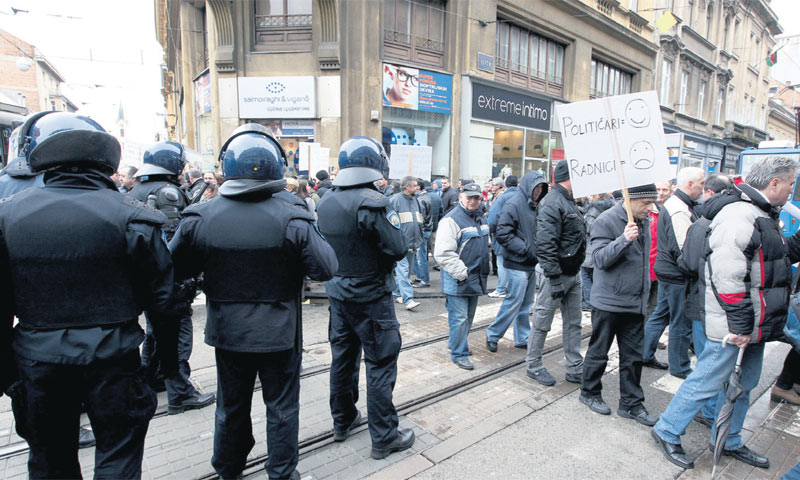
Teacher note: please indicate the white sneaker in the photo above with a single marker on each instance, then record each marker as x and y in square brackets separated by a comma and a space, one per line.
[398, 299]
[494, 294]
[412, 305]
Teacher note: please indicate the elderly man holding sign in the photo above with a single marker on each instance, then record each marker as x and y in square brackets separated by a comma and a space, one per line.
[617, 143]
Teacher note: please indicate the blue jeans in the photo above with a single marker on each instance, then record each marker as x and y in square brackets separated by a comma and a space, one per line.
[421, 261]
[502, 276]
[401, 269]
[713, 369]
[516, 307]
[669, 311]
[710, 408]
[586, 280]
[460, 313]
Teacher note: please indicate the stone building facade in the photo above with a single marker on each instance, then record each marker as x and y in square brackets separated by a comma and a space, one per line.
[435, 73]
[713, 79]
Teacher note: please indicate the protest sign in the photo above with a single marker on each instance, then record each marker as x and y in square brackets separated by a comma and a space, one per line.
[323, 160]
[614, 143]
[308, 153]
[414, 160]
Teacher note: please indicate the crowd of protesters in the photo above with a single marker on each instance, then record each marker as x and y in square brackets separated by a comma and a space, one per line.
[729, 275]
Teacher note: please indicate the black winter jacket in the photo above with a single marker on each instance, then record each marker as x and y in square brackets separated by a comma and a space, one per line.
[674, 219]
[560, 234]
[516, 229]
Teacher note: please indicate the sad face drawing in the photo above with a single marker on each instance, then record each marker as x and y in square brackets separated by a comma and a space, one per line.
[637, 114]
[642, 155]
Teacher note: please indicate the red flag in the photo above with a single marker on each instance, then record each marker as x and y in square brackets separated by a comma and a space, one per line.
[772, 59]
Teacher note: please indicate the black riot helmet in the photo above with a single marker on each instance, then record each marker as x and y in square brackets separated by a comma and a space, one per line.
[17, 166]
[52, 139]
[252, 152]
[163, 158]
[362, 160]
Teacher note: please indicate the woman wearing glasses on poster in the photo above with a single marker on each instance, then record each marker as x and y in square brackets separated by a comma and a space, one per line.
[400, 86]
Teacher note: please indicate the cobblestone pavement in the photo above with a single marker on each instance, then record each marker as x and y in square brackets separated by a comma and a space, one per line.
[499, 425]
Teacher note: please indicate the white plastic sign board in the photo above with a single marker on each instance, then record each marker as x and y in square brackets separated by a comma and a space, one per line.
[309, 157]
[322, 161]
[414, 160]
[614, 142]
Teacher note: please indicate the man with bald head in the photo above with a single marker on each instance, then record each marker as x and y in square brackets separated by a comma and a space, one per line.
[674, 220]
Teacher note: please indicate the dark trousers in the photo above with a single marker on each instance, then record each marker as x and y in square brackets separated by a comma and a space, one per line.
[372, 327]
[47, 406]
[791, 371]
[179, 387]
[629, 332]
[279, 373]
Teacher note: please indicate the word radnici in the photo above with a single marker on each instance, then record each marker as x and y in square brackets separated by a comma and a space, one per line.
[593, 126]
[579, 169]
[508, 106]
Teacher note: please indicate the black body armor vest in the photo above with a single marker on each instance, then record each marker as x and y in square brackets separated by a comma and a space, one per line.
[338, 220]
[80, 276]
[246, 256]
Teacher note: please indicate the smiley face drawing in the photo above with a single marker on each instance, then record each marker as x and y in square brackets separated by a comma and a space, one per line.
[637, 114]
[642, 155]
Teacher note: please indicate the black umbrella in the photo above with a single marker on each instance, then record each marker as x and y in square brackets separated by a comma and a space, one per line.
[733, 389]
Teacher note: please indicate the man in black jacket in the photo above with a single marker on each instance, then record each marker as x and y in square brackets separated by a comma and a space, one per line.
[560, 247]
[674, 220]
[254, 250]
[516, 232]
[449, 196]
[324, 184]
[79, 261]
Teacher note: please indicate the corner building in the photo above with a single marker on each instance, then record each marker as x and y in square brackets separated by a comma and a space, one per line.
[475, 82]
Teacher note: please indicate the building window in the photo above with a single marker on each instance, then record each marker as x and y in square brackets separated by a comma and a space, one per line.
[718, 117]
[709, 20]
[690, 6]
[725, 33]
[529, 60]
[701, 97]
[53, 105]
[666, 74]
[283, 25]
[633, 6]
[684, 91]
[606, 80]
[414, 30]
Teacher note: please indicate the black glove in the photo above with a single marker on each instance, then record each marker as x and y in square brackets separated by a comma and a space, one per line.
[165, 332]
[556, 289]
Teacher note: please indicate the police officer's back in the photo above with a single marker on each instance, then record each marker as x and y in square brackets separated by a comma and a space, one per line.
[79, 263]
[366, 236]
[254, 249]
[162, 164]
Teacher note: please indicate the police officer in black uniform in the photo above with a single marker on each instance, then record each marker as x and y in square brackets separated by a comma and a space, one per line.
[254, 249]
[358, 223]
[17, 175]
[159, 187]
[79, 262]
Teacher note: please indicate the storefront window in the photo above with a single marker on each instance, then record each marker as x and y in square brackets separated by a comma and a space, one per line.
[516, 151]
[414, 127]
[507, 151]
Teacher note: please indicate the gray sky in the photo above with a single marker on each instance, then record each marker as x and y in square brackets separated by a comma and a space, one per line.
[106, 50]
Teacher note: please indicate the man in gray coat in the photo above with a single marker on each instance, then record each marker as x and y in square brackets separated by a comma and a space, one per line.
[621, 253]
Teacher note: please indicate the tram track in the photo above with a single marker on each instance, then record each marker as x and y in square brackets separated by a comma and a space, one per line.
[317, 442]
[21, 448]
